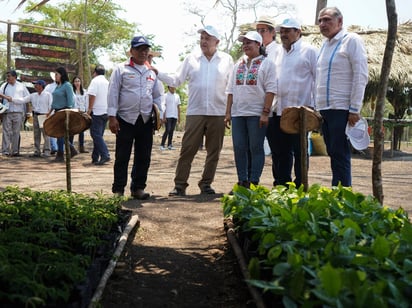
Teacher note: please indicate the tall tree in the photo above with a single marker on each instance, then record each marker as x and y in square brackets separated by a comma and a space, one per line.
[378, 135]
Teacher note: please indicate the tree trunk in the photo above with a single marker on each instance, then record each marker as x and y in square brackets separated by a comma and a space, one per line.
[320, 4]
[380, 103]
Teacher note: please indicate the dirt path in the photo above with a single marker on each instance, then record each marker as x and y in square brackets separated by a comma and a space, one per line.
[179, 256]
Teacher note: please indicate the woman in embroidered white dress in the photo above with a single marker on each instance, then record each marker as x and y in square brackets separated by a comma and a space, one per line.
[250, 91]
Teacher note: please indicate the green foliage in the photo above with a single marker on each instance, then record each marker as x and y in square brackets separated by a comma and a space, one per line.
[331, 247]
[47, 241]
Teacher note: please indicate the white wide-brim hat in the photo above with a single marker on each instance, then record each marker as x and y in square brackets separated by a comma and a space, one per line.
[358, 134]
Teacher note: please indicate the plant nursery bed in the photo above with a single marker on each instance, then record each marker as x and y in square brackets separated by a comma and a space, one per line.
[55, 246]
[324, 247]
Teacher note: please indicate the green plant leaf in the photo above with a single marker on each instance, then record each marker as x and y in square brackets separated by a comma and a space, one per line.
[381, 247]
[331, 280]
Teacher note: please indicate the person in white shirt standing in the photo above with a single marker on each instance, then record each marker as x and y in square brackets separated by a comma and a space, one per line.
[266, 27]
[207, 73]
[41, 102]
[296, 68]
[341, 78]
[250, 93]
[97, 92]
[171, 116]
[13, 118]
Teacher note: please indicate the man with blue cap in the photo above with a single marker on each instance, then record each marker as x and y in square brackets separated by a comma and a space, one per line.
[132, 92]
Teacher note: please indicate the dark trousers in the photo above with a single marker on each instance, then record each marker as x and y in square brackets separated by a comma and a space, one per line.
[337, 145]
[272, 133]
[287, 152]
[141, 135]
[169, 130]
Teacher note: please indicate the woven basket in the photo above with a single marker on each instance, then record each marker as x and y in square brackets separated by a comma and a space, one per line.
[55, 125]
[290, 120]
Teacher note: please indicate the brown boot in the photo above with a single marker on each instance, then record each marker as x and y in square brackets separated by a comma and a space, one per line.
[73, 151]
[59, 157]
[82, 149]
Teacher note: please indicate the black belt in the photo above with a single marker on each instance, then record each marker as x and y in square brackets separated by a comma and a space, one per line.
[38, 113]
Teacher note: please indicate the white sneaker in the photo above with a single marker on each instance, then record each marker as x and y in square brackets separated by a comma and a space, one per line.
[162, 148]
[171, 147]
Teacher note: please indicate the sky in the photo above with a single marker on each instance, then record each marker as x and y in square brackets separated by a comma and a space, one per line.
[170, 22]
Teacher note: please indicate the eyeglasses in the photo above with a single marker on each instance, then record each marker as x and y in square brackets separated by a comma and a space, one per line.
[262, 30]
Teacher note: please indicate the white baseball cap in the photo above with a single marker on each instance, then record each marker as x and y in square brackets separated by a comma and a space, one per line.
[251, 35]
[290, 23]
[209, 30]
[358, 134]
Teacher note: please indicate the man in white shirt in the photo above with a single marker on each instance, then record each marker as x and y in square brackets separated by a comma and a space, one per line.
[97, 92]
[341, 78]
[266, 27]
[15, 114]
[50, 88]
[171, 116]
[41, 102]
[207, 74]
[296, 67]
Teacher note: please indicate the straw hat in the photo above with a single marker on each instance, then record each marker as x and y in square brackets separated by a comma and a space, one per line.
[265, 20]
[55, 125]
[290, 119]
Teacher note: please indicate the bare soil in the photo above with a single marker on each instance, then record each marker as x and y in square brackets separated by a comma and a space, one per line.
[179, 255]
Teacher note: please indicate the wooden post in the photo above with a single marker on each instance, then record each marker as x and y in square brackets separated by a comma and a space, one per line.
[303, 148]
[67, 150]
[8, 46]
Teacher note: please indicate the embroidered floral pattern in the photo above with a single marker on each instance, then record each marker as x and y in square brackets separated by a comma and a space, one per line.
[248, 76]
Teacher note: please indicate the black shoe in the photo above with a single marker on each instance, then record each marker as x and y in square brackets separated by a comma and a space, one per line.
[140, 194]
[35, 155]
[52, 152]
[102, 161]
[73, 152]
[206, 190]
[177, 192]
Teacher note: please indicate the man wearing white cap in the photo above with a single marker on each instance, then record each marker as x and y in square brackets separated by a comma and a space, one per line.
[207, 73]
[296, 68]
[341, 78]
